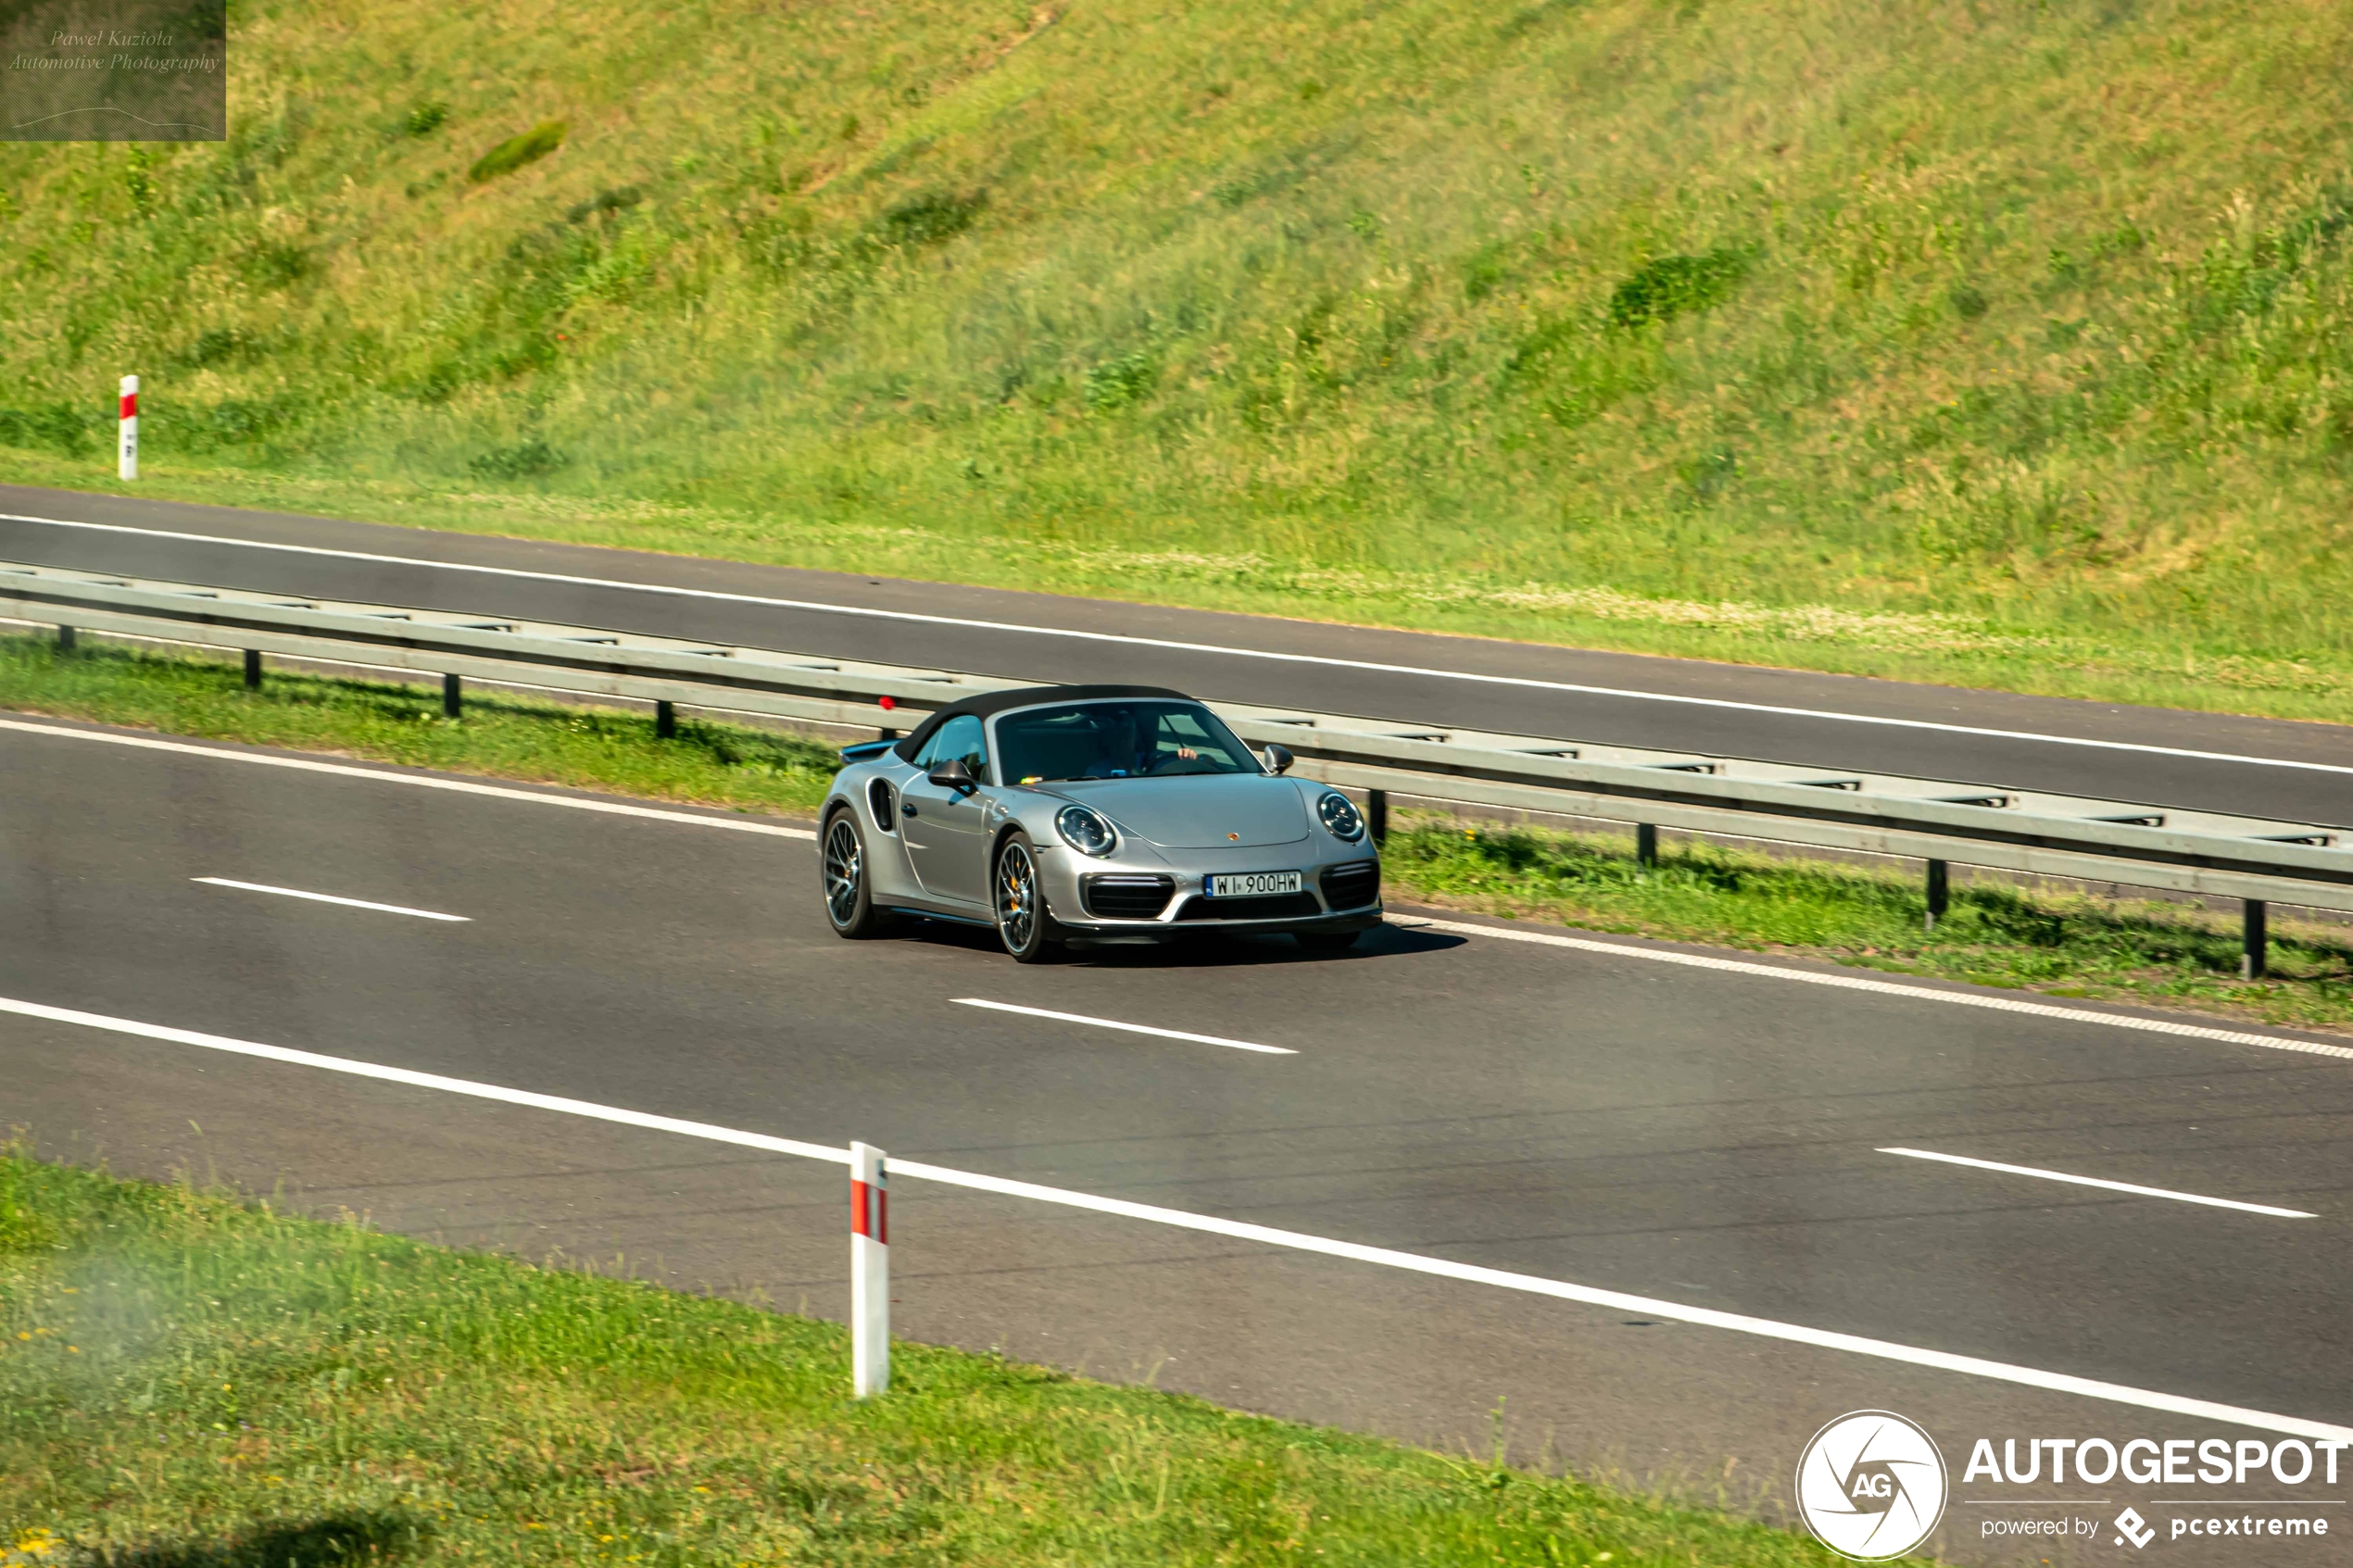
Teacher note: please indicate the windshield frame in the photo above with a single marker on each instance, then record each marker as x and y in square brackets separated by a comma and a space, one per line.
[1217, 727]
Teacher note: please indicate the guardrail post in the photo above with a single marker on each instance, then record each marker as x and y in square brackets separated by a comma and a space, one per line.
[453, 696]
[665, 719]
[1939, 892]
[253, 670]
[1646, 844]
[1376, 814]
[869, 1273]
[65, 639]
[2254, 959]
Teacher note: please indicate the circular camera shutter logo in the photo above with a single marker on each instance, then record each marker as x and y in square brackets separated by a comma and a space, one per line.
[1872, 1486]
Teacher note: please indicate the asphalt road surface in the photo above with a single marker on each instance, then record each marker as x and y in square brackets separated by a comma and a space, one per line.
[2298, 771]
[1706, 1138]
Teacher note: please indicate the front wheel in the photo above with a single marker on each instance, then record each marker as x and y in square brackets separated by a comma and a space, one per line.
[1027, 930]
[849, 897]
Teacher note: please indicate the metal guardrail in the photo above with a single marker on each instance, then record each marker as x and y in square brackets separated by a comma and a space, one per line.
[2255, 859]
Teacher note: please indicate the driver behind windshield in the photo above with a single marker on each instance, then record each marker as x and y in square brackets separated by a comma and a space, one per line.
[1127, 750]
[1118, 740]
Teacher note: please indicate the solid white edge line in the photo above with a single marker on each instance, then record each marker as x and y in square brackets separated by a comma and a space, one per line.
[460, 786]
[1129, 1028]
[1705, 1317]
[327, 898]
[1172, 644]
[2101, 1182]
[1883, 988]
[425, 1080]
[1646, 1306]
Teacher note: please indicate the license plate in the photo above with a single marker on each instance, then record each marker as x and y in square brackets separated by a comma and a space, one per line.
[1255, 884]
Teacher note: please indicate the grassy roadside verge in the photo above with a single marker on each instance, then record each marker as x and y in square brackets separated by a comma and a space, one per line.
[186, 1380]
[2157, 954]
[2146, 952]
[1968, 649]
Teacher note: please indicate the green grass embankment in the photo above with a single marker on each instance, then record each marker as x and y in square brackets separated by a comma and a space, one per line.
[186, 1380]
[2161, 954]
[2007, 345]
[2152, 953]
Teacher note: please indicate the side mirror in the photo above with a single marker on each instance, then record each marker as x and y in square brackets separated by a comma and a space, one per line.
[1279, 758]
[952, 774]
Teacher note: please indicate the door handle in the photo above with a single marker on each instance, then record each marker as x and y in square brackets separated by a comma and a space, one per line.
[910, 809]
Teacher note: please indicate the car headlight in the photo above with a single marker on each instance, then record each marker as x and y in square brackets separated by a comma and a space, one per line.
[1341, 818]
[1085, 830]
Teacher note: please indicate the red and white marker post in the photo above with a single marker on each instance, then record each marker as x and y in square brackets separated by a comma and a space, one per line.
[869, 1273]
[126, 447]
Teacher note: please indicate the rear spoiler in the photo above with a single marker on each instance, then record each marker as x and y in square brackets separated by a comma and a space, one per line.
[867, 750]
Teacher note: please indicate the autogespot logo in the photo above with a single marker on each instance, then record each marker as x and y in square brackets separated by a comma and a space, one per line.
[1872, 1486]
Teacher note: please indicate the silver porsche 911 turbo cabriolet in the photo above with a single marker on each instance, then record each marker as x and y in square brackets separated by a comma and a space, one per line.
[1092, 814]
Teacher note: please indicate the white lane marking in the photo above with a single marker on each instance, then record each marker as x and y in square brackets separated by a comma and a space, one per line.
[1883, 988]
[1129, 1028]
[1646, 1306]
[1640, 1306]
[327, 898]
[425, 1080]
[462, 786]
[1172, 644]
[2100, 1182]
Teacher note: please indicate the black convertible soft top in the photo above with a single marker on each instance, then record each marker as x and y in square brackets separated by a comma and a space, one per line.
[984, 703]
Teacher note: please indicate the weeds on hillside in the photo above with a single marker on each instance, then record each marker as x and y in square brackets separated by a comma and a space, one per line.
[2021, 319]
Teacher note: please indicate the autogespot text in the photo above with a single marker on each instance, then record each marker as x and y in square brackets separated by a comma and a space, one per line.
[2150, 1461]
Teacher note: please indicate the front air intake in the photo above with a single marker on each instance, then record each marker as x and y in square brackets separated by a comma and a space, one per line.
[1127, 895]
[1351, 886]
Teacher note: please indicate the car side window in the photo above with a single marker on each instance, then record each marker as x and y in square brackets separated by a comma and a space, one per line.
[960, 737]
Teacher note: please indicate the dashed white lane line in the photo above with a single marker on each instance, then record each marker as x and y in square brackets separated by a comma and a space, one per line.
[327, 898]
[1125, 1028]
[1882, 987]
[1444, 1268]
[1176, 646]
[2134, 1188]
[420, 781]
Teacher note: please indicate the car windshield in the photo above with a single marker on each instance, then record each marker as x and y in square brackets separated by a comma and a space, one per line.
[1117, 740]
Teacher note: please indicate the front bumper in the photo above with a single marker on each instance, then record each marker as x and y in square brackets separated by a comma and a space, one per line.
[1108, 904]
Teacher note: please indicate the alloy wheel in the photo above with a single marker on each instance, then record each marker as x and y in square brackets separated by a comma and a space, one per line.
[845, 872]
[1017, 897]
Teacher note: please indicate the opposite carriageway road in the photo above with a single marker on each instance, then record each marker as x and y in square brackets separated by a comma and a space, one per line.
[1703, 1135]
[2301, 771]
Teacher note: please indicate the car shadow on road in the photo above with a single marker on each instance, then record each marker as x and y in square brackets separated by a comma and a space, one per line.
[1206, 950]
